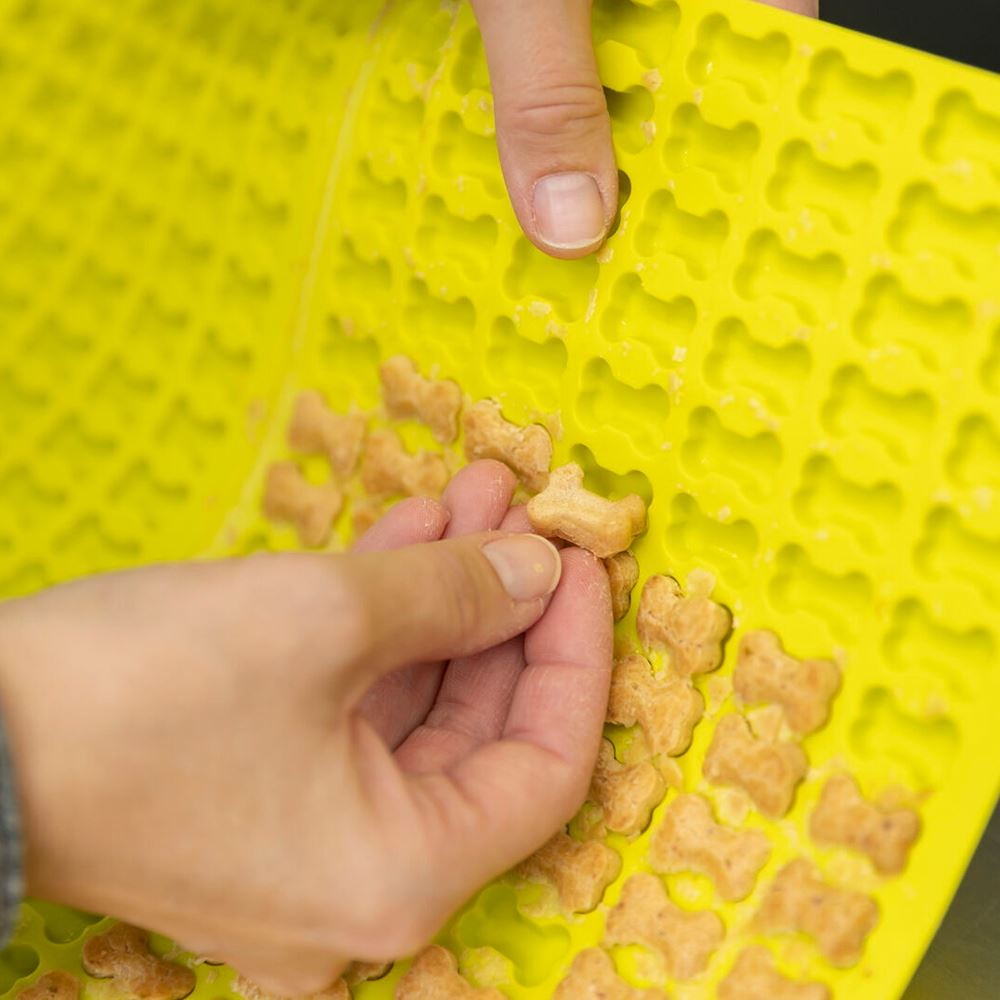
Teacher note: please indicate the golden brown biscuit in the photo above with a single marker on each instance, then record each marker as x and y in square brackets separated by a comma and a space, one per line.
[844, 816]
[623, 572]
[578, 871]
[667, 707]
[754, 977]
[689, 839]
[768, 772]
[803, 688]
[289, 497]
[592, 976]
[388, 469]
[316, 430]
[837, 919]
[435, 402]
[122, 955]
[434, 975]
[526, 451]
[690, 629]
[566, 509]
[646, 916]
[55, 985]
[625, 794]
[251, 991]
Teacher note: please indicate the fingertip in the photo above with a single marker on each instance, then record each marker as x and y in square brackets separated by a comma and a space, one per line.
[409, 522]
[478, 497]
[571, 212]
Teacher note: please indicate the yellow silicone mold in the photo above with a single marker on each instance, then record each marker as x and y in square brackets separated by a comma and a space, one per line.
[790, 346]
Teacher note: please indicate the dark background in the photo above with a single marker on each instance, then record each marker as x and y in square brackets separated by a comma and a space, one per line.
[967, 30]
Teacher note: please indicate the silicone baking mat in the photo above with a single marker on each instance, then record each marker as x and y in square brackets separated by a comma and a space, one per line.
[790, 346]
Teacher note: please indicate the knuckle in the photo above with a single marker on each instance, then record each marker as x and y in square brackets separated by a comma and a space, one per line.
[558, 109]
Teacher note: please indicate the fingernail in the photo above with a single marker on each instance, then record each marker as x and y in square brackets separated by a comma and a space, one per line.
[569, 212]
[529, 566]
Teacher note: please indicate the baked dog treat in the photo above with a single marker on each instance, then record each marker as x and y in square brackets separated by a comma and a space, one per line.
[122, 955]
[363, 972]
[838, 920]
[754, 977]
[626, 794]
[251, 991]
[316, 430]
[579, 871]
[434, 975]
[689, 839]
[406, 393]
[526, 451]
[844, 816]
[388, 469]
[689, 629]
[566, 509]
[646, 916]
[803, 688]
[667, 707]
[592, 976]
[768, 772]
[55, 985]
[289, 497]
[623, 573]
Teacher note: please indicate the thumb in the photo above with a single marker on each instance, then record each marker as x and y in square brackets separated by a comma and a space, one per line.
[443, 599]
[553, 131]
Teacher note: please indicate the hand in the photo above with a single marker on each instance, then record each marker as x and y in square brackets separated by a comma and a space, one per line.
[553, 131]
[289, 761]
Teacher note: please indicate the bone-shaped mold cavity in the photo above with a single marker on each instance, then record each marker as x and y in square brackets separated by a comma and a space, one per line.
[731, 546]
[371, 280]
[809, 284]
[77, 449]
[351, 360]
[631, 112]
[564, 285]
[463, 243]
[606, 483]
[512, 357]
[459, 153]
[885, 730]
[836, 90]
[974, 459]
[58, 352]
[891, 318]
[19, 403]
[62, 924]
[950, 550]
[633, 314]
[750, 462]
[962, 131]
[376, 198]
[900, 422]
[430, 319]
[803, 180]
[926, 224]
[726, 153]
[16, 962]
[469, 71]
[646, 28]
[826, 498]
[494, 920]
[392, 127]
[724, 54]
[638, 412]
[737, 361]
[918, 639]
[840, 601]
[154, 332]
[667, 229]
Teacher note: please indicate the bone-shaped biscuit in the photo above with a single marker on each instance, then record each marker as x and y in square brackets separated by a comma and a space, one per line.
[435, 402]
[579, 871]
[689, 628]
[800, 901]
[434, 975]
[55, 985]
[251, 991]
[592, 976]
[645, 915]
[527, 451]
[754, 977]
[768, 772]
[845, 816]
[625, 793]
[316, 430]
[803, 688]
[689, 839]
[388, 468]
[667, 707]
[311, 508]
[623, 572]
[122, 954]
[566, 509]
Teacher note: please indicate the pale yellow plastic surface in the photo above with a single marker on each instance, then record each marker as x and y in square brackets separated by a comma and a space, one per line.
[791, 346]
